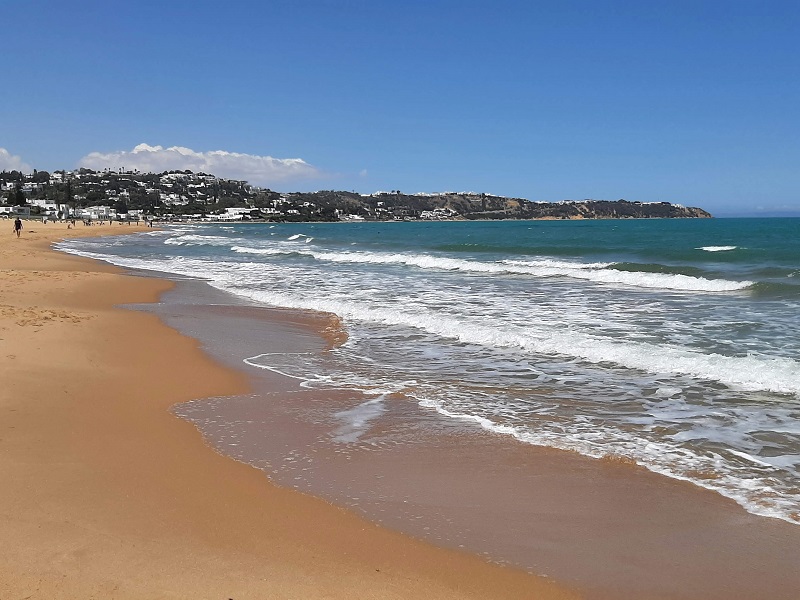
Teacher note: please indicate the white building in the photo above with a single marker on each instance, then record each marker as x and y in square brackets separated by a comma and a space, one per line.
[97, 213]
[235, 214]
[16, 211]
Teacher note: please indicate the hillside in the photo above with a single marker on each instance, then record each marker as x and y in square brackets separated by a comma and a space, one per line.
[177, 194]
[395, 205]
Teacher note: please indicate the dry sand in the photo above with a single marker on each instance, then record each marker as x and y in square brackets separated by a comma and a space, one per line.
[106, 494]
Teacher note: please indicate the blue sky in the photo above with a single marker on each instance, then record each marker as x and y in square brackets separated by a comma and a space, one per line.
[695, 102]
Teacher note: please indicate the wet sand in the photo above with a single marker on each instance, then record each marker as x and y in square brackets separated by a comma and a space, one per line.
[107, 494]
[611, 529]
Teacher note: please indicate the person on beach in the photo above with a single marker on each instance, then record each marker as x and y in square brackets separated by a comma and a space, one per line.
[17, 226]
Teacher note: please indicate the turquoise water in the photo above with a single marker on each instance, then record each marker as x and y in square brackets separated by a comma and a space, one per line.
[673, 343]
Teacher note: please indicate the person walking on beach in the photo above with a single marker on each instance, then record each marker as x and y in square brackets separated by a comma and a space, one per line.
[17, 226]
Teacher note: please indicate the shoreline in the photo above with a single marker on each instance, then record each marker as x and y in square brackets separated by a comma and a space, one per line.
[112, 495]
[612, 529]
[606, 530]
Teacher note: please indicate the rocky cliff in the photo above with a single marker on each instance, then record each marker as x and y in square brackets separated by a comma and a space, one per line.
[395, 205]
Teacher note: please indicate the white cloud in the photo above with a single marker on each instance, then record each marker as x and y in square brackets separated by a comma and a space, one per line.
[259, 170]
[9, 162]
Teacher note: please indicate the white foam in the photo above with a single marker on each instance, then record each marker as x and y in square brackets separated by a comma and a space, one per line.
[780, 375]
[668, 391]
[198, 240]
[752, 459]
[602, 273]
[264, 251]
[717, 248]
[754, 373]
[549, 263]
[357, 419]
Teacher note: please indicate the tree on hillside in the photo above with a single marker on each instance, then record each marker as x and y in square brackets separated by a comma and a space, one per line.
[40, 176]
[11, 176]
[17, 197]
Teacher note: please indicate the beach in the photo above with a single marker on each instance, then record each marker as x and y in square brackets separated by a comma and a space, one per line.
[108, 495]
[352, 495]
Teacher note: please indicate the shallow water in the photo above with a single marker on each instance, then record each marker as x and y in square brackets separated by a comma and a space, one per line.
[673, 344]
[614, 530]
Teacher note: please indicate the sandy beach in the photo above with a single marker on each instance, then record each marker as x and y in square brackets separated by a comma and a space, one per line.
[107, 494]
[110, 494]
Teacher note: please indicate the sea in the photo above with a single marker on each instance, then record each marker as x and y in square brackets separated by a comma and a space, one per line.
[672, 344]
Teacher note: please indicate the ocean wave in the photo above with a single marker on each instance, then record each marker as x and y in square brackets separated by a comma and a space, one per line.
[664, 281]
[603, 273]
[262, 251]
[717, 248]
[597, 272]
[198, 240]
[756, 373]
[752, 373]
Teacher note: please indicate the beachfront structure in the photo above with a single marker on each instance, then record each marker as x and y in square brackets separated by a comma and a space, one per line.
[16, 211]
[235, 214]
[96, 213]
[45, 204]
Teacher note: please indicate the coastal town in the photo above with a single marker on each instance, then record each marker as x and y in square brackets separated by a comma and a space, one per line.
[123, 195]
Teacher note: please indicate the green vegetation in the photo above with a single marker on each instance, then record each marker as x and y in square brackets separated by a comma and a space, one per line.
[178, 194]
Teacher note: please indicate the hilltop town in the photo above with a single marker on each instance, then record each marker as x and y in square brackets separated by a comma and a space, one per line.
[183, 195]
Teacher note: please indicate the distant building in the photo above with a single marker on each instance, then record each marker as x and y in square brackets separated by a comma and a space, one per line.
[16, 211]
